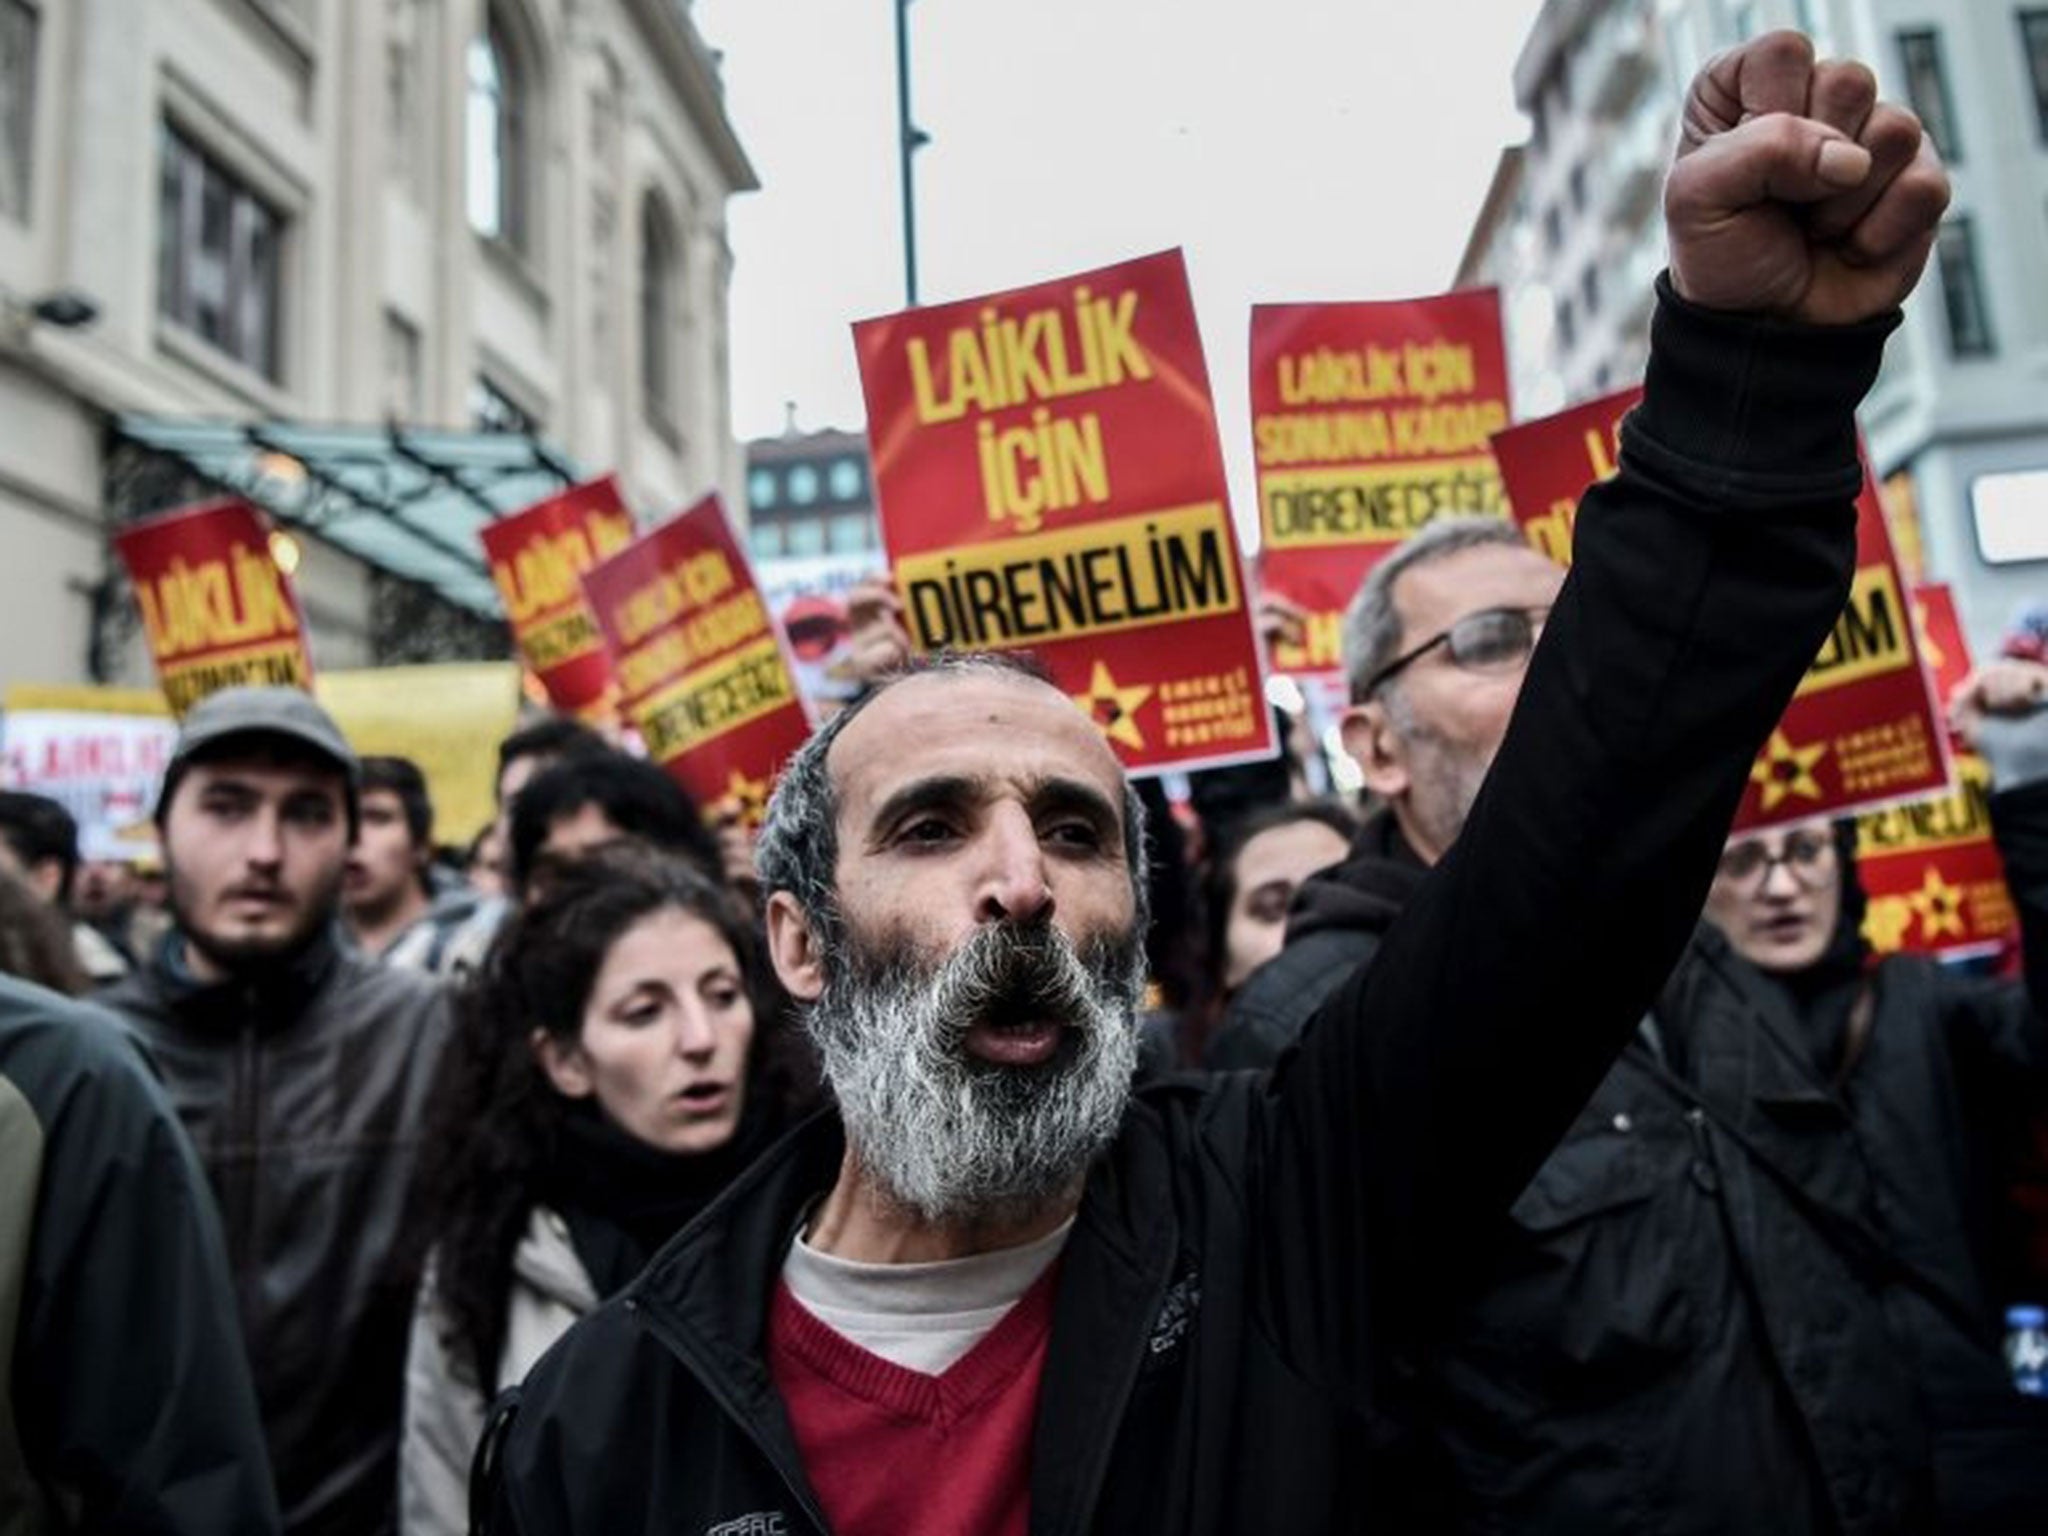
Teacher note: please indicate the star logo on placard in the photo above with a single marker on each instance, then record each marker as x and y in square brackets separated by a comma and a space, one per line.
[1784, 770]
[1939, 905]
[749, 796]
[1114, 710]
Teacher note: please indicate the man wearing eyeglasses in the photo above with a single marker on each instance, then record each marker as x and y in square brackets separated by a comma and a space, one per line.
[1435, 646]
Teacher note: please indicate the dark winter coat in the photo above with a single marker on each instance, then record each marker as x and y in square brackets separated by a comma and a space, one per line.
[304, 1092]
[1254, 1252]
[125, 1399]
[1735, 1297]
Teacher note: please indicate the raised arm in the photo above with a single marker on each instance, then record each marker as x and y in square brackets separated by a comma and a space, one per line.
[1706, 575]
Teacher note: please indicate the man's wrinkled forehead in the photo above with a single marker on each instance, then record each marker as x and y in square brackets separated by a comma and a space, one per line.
[976, 727]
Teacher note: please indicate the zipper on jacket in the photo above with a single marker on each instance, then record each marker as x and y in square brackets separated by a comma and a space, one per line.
[729, 1405]
[1704, 1173]
[247, 1110]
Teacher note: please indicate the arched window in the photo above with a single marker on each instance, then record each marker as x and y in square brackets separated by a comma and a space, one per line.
[498, 147]
[659, 315]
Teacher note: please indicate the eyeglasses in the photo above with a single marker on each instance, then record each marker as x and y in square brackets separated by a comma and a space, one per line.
[1491, 640]
[1806, 854]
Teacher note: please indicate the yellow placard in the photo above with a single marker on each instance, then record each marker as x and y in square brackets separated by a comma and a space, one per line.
[448, 719]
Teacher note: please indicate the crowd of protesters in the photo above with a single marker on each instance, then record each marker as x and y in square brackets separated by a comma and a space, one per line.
[986, 1145]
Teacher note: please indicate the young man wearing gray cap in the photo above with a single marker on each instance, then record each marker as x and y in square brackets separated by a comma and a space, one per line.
[300, 1071]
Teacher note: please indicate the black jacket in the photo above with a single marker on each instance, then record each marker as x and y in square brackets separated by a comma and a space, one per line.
[125, 1399]
[304, 1091]
[1734, 1297]
[1253, 1252]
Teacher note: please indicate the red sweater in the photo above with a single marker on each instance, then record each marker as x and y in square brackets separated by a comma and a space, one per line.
[894, 1452]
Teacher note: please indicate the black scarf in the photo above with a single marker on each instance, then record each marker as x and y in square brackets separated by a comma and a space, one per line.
[624, 1199]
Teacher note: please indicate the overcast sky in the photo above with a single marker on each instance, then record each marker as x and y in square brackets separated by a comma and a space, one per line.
[1296, 149]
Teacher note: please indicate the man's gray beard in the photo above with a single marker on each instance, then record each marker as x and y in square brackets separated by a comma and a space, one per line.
[1445, 779]
[952, 1139]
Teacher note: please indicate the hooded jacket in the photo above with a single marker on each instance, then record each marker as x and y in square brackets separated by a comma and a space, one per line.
[1334, 924]
[1253, 1254]
[304, 1086]
[125, 1399]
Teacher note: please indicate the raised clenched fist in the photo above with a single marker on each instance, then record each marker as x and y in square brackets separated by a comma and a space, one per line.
[1795, 192]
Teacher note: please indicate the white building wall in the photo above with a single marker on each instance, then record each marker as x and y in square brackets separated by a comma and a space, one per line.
[347, 116]
[1942, 419]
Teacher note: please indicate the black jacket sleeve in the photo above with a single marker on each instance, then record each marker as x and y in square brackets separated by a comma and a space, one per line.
[131, 1389]
[2001, 1024]
[1430, 1087]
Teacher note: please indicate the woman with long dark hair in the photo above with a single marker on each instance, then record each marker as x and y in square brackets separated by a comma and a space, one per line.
[622, 1055]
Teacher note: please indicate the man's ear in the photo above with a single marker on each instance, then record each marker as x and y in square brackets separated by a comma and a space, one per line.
[565, 1064]
[794, 948]
[1371, 741]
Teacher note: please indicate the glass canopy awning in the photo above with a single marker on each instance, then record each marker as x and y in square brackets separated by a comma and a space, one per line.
[406, 500]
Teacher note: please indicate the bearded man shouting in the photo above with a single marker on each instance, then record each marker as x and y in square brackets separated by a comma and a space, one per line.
[994, 1290]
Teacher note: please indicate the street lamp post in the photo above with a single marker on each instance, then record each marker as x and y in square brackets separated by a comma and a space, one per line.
[909, 139]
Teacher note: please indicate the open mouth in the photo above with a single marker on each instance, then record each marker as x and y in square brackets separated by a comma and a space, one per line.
[1013, 1040]
[705, 1098]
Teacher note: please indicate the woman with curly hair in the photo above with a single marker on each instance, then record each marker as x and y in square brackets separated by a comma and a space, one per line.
[621, 1056]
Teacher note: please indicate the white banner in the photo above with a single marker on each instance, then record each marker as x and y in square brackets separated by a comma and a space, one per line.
[103, 765]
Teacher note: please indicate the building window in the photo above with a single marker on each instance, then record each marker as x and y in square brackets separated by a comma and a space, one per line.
[844, 479]
[1927, 90]
[17, 107]
[851, 533]
[492, 410]
[219, 250]
[803, 485]
[2034, 44]
[1553, 229]
[1565, 330]
[761, 489]
[1576, 183]
[807, 537]
[497, 137]
[1962, 292]
[1589, 291]
[765, 541]
[657, 316]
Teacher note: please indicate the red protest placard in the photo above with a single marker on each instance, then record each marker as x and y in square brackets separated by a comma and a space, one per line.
[217, 609]
[1862, 729]
[1368, 422]
[1932, 874]
[700, 666]
[1930, 868]
[1942, 645]
[1546, 465]
[1050, 477]
[538, 557]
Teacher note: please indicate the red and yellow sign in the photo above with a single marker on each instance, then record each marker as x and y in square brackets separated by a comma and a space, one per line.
[1368, 422]
[1930, 868]
[1546, 465]
[1050, 477]
[699, 664]
[1862, 730]
[538, 557]
[217, 609]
